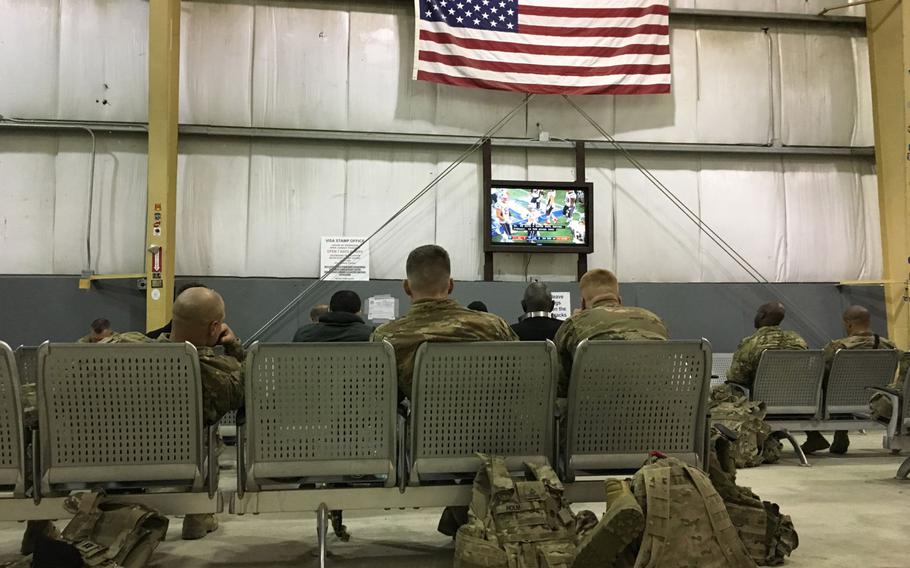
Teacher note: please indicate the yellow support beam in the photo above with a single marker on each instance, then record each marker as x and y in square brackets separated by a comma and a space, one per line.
[888, 27]
[163, 89]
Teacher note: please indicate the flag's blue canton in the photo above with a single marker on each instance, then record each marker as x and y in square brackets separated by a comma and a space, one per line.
[498, 15]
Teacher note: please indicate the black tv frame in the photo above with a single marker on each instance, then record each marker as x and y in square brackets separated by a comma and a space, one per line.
[587, 187]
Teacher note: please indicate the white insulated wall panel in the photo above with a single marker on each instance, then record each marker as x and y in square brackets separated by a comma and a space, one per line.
[863, 129]
[29, 36]
[212, 204]
[103, 64]
[734, 86]
[872, 268]
[216, 59]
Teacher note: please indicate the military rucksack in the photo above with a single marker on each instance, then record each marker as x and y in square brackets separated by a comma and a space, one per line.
[102, 534]
[754, 444]
[768, 535]
[686, 521]
[517, 524]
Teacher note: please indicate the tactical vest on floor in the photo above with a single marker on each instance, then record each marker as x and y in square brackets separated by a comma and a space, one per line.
[516, 524]
[754, 444]
[768, 535]
[686, 522]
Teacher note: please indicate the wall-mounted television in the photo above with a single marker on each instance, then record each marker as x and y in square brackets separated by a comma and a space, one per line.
[537, 216]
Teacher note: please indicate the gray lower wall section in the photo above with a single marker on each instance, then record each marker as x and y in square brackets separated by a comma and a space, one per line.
[38, 308]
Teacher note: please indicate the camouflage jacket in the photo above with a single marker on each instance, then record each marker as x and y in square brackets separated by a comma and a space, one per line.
[222, 375]
[437, 321]
[745, 360]
[861, 340]
[609, 320]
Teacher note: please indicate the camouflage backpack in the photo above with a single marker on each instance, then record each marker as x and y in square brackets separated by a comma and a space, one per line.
[768, 535]
[754, 444]
[686, 521]
[517, 524]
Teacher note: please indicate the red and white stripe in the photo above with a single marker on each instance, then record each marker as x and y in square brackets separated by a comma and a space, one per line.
[563, 47]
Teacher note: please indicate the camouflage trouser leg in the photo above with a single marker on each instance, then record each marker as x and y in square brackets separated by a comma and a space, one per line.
[451, 519]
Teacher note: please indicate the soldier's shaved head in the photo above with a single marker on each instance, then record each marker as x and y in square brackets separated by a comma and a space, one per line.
[198, 317]
[537, 298]
[857, 319]
[596, 283]
[429, 273]
[768, 314]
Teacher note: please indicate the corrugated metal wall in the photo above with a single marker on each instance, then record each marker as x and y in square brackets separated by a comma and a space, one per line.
[257, 208]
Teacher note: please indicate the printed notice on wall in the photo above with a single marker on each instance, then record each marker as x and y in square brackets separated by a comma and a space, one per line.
[336, 249]
[563, 308]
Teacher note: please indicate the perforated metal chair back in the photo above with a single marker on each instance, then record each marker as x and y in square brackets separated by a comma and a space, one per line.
[12, 445]
[492, 397]
[789, 382]
[628, 398]
[320, 410]
[123, 413]
[720, 364]
[27, 362]
[853, 371]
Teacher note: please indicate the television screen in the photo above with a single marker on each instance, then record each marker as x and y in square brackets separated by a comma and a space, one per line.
[540, 216]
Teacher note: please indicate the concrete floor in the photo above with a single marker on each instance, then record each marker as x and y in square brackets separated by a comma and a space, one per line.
[848, 511]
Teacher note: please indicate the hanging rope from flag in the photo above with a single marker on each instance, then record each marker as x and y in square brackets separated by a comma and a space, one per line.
[564, 47]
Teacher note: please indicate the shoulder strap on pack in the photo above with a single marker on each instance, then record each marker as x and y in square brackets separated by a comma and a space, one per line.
[656, 480]
[727, 537]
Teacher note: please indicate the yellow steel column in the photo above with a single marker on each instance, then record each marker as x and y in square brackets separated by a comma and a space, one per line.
[164, 79]
[888, 26]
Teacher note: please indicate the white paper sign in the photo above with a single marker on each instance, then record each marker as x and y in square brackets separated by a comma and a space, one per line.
[382, 308]
[563, 308]
[335, 249]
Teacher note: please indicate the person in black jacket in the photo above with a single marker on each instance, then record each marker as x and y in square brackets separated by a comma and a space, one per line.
[341, 323]
[537, 323]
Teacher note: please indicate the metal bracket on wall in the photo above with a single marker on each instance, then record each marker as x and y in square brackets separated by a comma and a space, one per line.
[85, 282]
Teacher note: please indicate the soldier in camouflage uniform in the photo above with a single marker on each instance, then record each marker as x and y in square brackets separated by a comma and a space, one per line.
[857, 324]
[434, 317]
[199, 319]
[769, 335]
[603, 317]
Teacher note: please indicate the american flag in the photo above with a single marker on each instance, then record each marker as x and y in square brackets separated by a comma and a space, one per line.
[566, 47]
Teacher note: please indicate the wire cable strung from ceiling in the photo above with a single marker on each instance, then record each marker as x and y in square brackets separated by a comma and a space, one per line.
[726, 247]
[451, 167]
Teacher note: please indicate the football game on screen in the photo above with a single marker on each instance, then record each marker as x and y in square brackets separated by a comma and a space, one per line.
[538, 216]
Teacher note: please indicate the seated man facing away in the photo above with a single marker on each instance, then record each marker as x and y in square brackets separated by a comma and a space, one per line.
[199, 319]
[166, 328]
[537, 323]
[341, 323]
[769, 335]
[100, 329]
[434, 317]
[603, 317]
[857, 324]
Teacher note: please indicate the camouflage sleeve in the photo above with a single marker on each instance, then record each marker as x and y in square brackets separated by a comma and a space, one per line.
[29, 394]
[741, 368]
[222, 386]
[830, 349]
[566, 342]
[235, 349]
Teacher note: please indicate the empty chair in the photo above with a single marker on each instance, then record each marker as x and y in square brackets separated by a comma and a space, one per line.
[853, 374]
[318, 412]
[628, 398]
[27, 362]
[122, 416]
[12, 445]
[491, 397]
[720, 364]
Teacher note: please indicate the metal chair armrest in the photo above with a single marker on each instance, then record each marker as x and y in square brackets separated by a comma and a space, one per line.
[213, 468]
[404, 469]
[36, 466]
[241, 459]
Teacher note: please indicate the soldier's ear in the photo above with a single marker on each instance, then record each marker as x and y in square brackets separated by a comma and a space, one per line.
[407, 287]
[451, 285]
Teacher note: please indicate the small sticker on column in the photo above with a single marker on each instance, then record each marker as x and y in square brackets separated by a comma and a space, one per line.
[156, 294]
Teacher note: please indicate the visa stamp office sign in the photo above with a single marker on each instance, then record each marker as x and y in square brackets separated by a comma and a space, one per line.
[335, 249]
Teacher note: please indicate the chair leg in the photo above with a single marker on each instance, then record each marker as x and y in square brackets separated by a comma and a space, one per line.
[803, 460]
[904, 470]
[322, 527]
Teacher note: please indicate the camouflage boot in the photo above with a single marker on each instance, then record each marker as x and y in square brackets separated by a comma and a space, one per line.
[35, 531]
[621, 525]
[815, 442]
[841, 442]
[197, 526]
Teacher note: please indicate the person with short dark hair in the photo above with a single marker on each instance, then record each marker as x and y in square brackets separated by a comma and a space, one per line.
[166, 328]
[858, 325]
[98, 330]
[318, 311]
[537, 323]
[768, 335]
[478, 306]
[341, 323]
